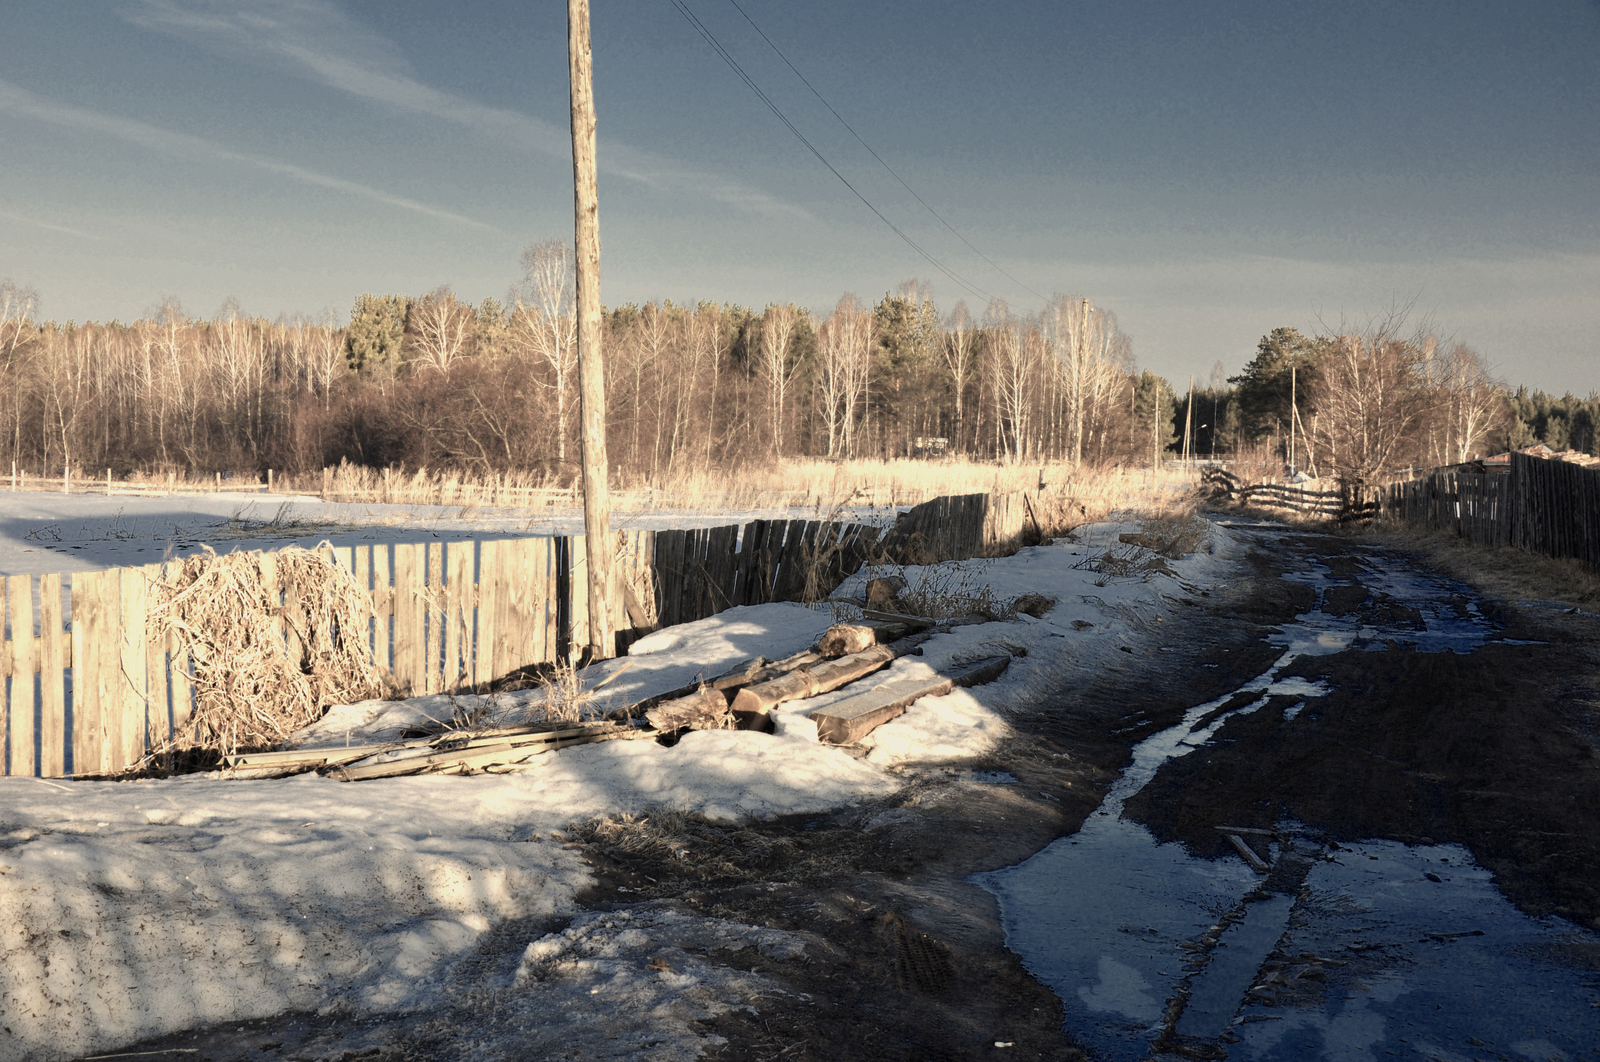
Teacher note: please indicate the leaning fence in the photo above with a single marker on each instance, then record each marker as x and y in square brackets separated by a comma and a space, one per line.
[1292, 496]
[1540, 505]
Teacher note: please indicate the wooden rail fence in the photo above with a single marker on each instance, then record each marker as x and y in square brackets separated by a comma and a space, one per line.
[92, 696]
[1271, 495]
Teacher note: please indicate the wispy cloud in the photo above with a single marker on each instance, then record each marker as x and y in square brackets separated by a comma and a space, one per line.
[314, 39]
[20, 101]
[23, 219]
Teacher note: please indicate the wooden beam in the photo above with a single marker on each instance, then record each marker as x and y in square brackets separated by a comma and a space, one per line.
[848, 721]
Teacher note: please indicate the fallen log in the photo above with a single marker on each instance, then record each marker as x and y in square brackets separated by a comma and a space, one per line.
[704, 709]
[849, 720]
[842, 639]
[809, 681]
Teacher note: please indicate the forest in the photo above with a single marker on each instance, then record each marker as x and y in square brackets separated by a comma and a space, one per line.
[433, 382]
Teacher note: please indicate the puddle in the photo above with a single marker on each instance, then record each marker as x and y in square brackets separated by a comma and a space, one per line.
[994, 778]
[1144, 943]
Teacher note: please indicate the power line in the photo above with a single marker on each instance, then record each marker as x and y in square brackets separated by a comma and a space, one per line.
[875, 155]
[716, 46]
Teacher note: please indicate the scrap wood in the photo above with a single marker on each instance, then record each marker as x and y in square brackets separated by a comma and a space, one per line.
[705, 709]
[477, 757]
[1259, 865]
[849, 720]
[809, 681]
[842, 639]
[919, 622]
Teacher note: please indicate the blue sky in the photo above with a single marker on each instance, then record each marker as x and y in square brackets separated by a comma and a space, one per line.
[1208, 171]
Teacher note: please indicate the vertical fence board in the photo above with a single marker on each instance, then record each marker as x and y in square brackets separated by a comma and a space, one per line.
[488, 611]
[578, 551]
[457, 614]
[86, 638]
[158, 719]
[53, 735]
[23, 665]
[383, 602]
[408, 616]
[433, 619]
[131, 685]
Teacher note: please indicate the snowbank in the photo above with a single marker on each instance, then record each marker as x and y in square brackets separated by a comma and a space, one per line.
[128, 910]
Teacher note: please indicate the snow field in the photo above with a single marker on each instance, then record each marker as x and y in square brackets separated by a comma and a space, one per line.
[129, 910]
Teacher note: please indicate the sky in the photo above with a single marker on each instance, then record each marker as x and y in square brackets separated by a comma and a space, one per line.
[1207, 171]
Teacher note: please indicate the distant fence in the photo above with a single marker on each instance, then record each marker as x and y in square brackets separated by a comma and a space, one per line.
[1271, 495]
[1544, 506]
[92, 697]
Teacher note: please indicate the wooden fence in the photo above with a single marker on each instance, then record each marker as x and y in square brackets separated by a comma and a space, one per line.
[90, 697]
[1544, 506]
[1271, 495]
[961, 526]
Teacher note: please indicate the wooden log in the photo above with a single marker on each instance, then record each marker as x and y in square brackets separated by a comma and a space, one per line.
[842, 639]
[809, 681]
[853, 718]
[704, 709]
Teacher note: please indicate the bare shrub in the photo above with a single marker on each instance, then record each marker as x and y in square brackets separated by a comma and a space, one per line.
[273, 642]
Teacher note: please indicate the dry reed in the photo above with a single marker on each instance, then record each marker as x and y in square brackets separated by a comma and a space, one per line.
[274, 640]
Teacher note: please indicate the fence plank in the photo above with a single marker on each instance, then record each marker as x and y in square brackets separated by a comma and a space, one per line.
[158, 719]
[457, 613]
[578, 552]
[433, 619]
[53, 735]
[488, 596]
[132, 688]
[88, 634]
[19, 588]
[408, 616]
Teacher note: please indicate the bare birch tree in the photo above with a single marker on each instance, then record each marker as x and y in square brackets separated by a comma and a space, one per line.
[545, 315]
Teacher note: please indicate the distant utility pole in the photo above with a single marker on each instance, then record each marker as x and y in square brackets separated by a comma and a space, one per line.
[591, 366]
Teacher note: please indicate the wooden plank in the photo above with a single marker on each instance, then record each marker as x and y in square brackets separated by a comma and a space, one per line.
[87, 633]
[458, 614]
[849, 720]
[23, 761]
[542, 591]
[579, 566]
[434, 604]
[361, 567]
[383, 603]
[409, 611]
[722, 566]
[158, 718]
[53, 644]
[514, 627]
[669, 576]
[488, 598]
[131, 699]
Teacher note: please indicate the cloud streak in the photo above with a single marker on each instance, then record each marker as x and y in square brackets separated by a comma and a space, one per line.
[21, 102]
[315, 40]
[23, 219]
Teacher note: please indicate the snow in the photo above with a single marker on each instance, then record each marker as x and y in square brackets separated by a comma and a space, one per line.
[43, 532]
[133, 909]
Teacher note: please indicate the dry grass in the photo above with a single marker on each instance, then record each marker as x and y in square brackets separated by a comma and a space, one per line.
[274, 640]
[560, 699]
[951, 590]
[1507, 573]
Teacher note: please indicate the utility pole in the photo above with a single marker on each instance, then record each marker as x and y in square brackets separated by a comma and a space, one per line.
[1292, 417]
[591, 366]
[1188, 422]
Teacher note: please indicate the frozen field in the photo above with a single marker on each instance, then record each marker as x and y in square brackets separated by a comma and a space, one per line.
[44, 532]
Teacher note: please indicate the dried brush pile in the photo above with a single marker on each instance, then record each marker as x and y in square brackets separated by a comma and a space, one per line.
[274, 639]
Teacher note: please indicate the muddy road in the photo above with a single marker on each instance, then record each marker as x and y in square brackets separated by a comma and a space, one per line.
[1411, 765]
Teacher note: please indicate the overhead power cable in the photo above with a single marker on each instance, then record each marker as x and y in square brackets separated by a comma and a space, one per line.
[874, 154]
[716, 46]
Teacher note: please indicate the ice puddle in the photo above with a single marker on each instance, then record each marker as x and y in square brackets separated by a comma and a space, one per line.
[1382, 950]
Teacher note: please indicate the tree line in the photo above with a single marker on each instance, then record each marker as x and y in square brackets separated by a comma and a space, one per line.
[432, 381]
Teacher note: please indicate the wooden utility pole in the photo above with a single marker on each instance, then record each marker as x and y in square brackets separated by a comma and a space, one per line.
[591, 365]
[1292, 417]
[1188, 422]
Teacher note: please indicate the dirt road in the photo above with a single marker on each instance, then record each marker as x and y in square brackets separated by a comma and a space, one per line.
[1400, 728]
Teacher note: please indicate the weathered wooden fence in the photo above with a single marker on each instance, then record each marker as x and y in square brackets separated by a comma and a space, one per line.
[90, 697]
[1544, 506]
[1271, 495]
[961, 526]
